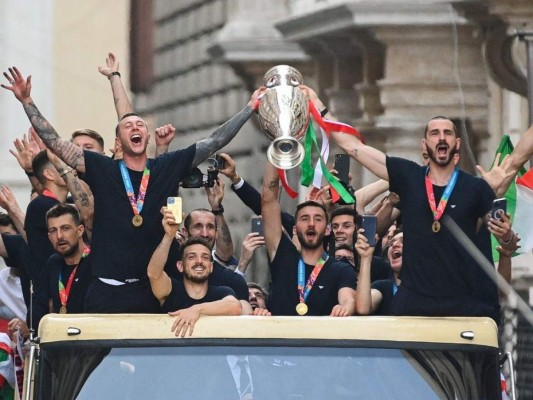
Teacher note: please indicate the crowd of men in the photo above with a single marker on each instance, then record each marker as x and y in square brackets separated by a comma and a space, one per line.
[98, 236]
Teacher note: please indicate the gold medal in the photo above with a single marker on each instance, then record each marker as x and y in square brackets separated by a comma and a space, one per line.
[137, 220]
[63, 310]
[301, 308]
[436, 226]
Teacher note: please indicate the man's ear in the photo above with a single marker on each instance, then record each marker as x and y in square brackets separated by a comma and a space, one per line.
[179, 264]
[48, 174]
[80, 229]
[458, 143]
[185, 233]
[424, 146]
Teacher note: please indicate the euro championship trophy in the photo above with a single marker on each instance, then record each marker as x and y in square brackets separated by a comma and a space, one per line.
[284, 116]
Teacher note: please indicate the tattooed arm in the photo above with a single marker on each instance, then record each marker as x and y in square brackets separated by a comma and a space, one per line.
[224, 243]
[369, 157]
[223, 135]
[271, 210]
[67, 151]
[82, 195]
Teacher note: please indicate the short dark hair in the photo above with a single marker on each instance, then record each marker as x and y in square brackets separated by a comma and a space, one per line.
[192, 241]
[5, 220]
[344, 210]
[253, 285]
[311, 203]
[89, 132]
[440, 117]
[39, 163]
[188, 218]
[64, 209]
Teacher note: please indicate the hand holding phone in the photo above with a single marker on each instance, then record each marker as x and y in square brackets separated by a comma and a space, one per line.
[369, 224]
[257, 226]
[174, 204]
[499, 208]
[342, 166]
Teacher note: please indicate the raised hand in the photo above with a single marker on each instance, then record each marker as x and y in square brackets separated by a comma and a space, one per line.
[23, 153]
[20, 87]
[230, 168]
[499, 173]
[362, 247]
[215, 194]
[35, 142]
[164, 135]
[7, 199]
[169, 222]
[112, 66]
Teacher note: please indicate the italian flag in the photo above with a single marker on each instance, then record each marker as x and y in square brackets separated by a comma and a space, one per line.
[523, 215]
[519, 202]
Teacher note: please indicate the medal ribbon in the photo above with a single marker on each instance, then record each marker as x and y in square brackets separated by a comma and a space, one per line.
[136, 204]
[64, 293]
[438, 211]
[304, 292]
[308, 174]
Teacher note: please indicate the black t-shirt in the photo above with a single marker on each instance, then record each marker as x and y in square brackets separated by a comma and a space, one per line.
[40, 250]
[379, 269]
[82, 279]
[178, 299]
[324, 294]
[385, 286]
[434, 264]
[19, 258]
[222, 276]
[120, 250]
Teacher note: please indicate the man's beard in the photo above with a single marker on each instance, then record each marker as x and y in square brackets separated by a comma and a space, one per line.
[308, 245]
[69, 251]
[195, 278]
[445, 163]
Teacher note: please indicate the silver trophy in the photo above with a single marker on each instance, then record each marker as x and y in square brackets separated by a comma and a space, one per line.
[284, 116]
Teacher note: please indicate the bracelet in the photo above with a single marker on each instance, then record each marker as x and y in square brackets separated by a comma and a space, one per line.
[324, 112]
[510, 239]
[113, 74]
[66, 171]
[29, 173]
[219, 210]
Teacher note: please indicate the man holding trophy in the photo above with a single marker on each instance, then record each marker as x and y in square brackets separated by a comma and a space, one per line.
[306, 282]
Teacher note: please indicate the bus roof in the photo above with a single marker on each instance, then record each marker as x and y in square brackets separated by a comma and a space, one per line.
[449, 330]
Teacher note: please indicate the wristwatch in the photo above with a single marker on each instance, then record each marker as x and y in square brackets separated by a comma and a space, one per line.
[219, 210]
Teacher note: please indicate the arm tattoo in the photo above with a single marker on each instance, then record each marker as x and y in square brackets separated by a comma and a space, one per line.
[67, 151]
[274, 183]
[226, 235]
[221, 137]
[354, 153]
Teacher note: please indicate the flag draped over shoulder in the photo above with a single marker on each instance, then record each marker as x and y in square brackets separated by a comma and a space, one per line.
[505, 148]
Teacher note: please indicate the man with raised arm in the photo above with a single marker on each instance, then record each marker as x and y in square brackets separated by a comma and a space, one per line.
[438, 277]
[305, 283]
[128, 195]
[193, 296]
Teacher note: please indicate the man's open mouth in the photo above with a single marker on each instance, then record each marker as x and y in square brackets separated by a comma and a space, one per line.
[137, 139]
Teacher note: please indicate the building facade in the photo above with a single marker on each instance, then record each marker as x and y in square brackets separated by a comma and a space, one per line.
[385, 67]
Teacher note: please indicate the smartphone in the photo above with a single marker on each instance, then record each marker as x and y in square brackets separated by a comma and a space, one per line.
[342, 166]
[174, 204]
[369, 224]
[499, 207]
[257, 226]
[220, 162]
